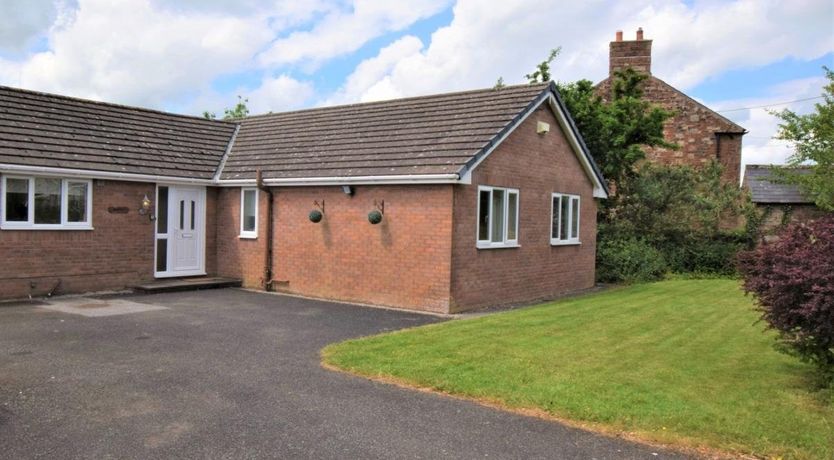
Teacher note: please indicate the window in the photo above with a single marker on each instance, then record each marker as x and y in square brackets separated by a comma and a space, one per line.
[249, 213]
[497, 217]
[565, 221]
[48, 203]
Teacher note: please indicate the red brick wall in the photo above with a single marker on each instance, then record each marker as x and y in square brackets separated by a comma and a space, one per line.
[237, 257]
[404, 261]
[116, 254]
[537, 165]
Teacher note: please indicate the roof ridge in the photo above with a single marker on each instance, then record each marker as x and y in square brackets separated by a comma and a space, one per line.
[112, 104]
[540, 86]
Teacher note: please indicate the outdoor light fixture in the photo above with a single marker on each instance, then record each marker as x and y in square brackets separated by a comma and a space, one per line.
[317, 214]
[347, 189]
[145, 208]
[375, 216]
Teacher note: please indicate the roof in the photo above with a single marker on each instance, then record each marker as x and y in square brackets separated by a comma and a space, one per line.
[427, 139]
[764, 190]
[39, 129]
[436, 134]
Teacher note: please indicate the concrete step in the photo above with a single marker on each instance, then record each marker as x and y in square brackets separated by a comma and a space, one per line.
[186, 284]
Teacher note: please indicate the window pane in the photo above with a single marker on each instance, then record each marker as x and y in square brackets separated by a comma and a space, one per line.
[161, 255]
[497, 216]
[77, 201]
[554, 226]
[192, 214]
[483, 217]
[182, 214]
[563, 223]
[512, 211]
[47, 201]
[162, 211]
[17, 200]
[574, 222]
[249, 210]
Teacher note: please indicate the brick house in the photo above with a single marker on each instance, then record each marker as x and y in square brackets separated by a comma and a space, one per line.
[702, 134]
[440, 203]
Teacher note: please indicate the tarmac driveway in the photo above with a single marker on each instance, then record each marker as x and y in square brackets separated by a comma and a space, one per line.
[235, 374]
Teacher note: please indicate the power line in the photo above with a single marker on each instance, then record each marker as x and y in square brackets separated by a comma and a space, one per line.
[770, 105]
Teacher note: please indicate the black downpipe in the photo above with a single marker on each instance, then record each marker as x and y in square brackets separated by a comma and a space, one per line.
[269, 212]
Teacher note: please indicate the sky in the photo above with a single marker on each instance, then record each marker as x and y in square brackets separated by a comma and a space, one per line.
[742, 58]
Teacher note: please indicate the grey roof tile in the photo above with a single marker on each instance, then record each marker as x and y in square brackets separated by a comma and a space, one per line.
[765, 190]
[436, 134]
[39, 129]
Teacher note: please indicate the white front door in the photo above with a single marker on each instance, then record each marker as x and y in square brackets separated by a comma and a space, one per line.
[180, 232]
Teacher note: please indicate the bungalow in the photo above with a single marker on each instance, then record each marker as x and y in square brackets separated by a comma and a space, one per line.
[440, 203]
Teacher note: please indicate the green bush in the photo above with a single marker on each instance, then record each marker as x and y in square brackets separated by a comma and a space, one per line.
[629, 260]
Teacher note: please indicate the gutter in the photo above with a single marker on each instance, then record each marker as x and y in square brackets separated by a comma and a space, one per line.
[87, 174]
[267, 280]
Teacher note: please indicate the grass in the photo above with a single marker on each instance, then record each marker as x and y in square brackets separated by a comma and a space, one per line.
[676, 362]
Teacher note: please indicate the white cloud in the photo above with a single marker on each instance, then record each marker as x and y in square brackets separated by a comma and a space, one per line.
[760, 147]
[346, 29]
[691, 43]
[23, 21]
[368, 82]
[138, 54]
[279, 94]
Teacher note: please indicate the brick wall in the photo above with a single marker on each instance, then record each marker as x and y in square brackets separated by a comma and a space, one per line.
[404, 261]
[697, 130]
[116, 254]
[537, 165]
[700, 132]
[238, 257]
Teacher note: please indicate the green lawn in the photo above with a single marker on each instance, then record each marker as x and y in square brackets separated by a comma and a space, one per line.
[678, 362]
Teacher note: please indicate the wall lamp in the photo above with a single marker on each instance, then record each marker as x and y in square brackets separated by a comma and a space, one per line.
[145, 208]
[348, 190]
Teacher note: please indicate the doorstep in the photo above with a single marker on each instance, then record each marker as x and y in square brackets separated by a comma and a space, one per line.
[187, 284]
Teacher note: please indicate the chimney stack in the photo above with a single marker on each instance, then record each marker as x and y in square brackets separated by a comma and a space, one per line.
[636, 54]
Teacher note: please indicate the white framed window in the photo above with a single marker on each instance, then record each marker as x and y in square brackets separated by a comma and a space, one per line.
[46, 203]
[497, 217]
[564, 227]
[249, 213]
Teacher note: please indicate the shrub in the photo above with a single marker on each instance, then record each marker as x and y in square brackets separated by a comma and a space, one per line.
[793, 282]
[628, 260]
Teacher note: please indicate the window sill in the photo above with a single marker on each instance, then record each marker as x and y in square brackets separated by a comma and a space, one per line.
[565, 243]
[497, 246]
[58, 228]
[248, 237]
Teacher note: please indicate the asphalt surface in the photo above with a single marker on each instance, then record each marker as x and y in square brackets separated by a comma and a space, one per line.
[236, 374]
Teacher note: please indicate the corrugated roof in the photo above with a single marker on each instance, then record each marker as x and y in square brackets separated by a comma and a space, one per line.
[436, 134]
[764, 190]
[38, 129]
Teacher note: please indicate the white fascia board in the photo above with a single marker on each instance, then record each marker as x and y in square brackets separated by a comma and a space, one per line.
[109, 175]
[355, 180]
[599, 189]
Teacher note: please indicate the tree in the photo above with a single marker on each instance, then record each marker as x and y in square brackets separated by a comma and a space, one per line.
[240, 110]
[792, 280]
[616, 130]
[542, 72]
[812, 136]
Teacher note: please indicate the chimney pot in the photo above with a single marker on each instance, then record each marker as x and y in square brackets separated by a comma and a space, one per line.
[639, 33]
[619, 36]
